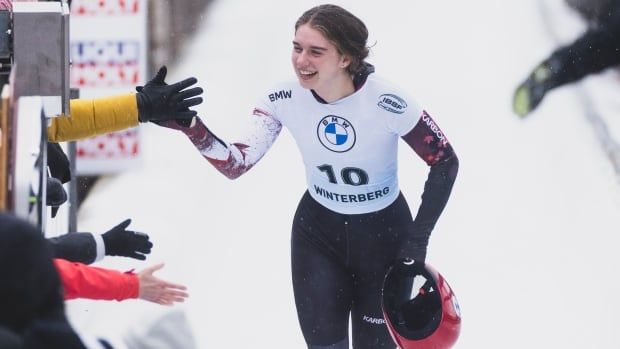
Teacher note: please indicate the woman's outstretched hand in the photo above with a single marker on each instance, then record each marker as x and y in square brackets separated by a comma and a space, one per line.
[158, 291]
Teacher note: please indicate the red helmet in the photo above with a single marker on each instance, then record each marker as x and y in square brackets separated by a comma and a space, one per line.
[419, 307]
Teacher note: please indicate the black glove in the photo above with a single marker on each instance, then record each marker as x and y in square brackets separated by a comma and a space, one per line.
[58, 162]
[409, 267]
[126, 243]
[55, 195]
[159, 101]
[414, 248]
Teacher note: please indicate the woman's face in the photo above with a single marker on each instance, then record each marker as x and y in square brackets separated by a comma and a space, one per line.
[316, 60]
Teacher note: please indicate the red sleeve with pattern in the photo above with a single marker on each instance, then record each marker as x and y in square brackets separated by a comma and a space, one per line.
[83, 281]
[431, 144]
[233, 159]
[428, 141]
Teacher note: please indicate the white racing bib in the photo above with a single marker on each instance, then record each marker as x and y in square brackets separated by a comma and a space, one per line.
[349, 147]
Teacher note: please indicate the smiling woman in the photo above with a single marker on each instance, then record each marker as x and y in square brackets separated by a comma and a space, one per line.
[332, 42]
[353, 222]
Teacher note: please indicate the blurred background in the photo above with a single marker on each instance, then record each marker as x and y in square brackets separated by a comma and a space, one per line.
[528, 240]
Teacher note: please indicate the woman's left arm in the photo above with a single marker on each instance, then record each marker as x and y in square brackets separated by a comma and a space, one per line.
[431, 144]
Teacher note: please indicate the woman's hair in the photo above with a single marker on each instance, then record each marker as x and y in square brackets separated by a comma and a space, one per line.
[347, 32]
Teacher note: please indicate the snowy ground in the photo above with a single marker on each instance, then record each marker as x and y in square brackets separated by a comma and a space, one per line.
[528, 239]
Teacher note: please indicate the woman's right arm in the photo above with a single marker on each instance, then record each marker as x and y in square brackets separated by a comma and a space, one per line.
[232, 159]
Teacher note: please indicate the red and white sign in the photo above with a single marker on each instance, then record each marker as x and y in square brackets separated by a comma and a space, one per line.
[106, 7]
[108, 56]
[105, 64]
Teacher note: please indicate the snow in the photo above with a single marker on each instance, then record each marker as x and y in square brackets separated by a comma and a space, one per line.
[527, 241]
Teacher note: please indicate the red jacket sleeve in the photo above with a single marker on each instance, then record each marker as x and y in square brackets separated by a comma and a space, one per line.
[83, 281]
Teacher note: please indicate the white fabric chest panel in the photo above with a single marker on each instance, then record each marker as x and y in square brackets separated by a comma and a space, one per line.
[348, 150]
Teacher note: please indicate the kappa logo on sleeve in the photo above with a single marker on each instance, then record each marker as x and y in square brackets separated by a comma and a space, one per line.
[433, 127]
[392, 103]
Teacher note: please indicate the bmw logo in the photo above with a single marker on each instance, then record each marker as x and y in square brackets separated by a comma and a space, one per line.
[336, 133]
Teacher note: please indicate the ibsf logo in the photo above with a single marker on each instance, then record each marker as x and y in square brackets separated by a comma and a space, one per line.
[336, 133]
[392, 103]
